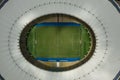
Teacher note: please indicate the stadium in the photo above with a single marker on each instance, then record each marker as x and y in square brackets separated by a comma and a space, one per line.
[57, 41]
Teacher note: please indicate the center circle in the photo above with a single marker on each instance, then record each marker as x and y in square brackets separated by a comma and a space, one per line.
[57, 42]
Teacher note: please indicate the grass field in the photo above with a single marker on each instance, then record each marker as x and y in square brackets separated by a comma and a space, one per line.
[58, 42]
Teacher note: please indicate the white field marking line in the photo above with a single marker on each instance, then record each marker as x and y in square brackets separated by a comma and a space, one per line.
[72, 42]
[57, 43]
[33, 40]
[80, 41]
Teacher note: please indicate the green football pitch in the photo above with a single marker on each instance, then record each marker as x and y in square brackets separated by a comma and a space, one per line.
[59, 42]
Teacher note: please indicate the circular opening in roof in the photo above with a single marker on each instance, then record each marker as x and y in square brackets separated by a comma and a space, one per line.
[57, 42]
